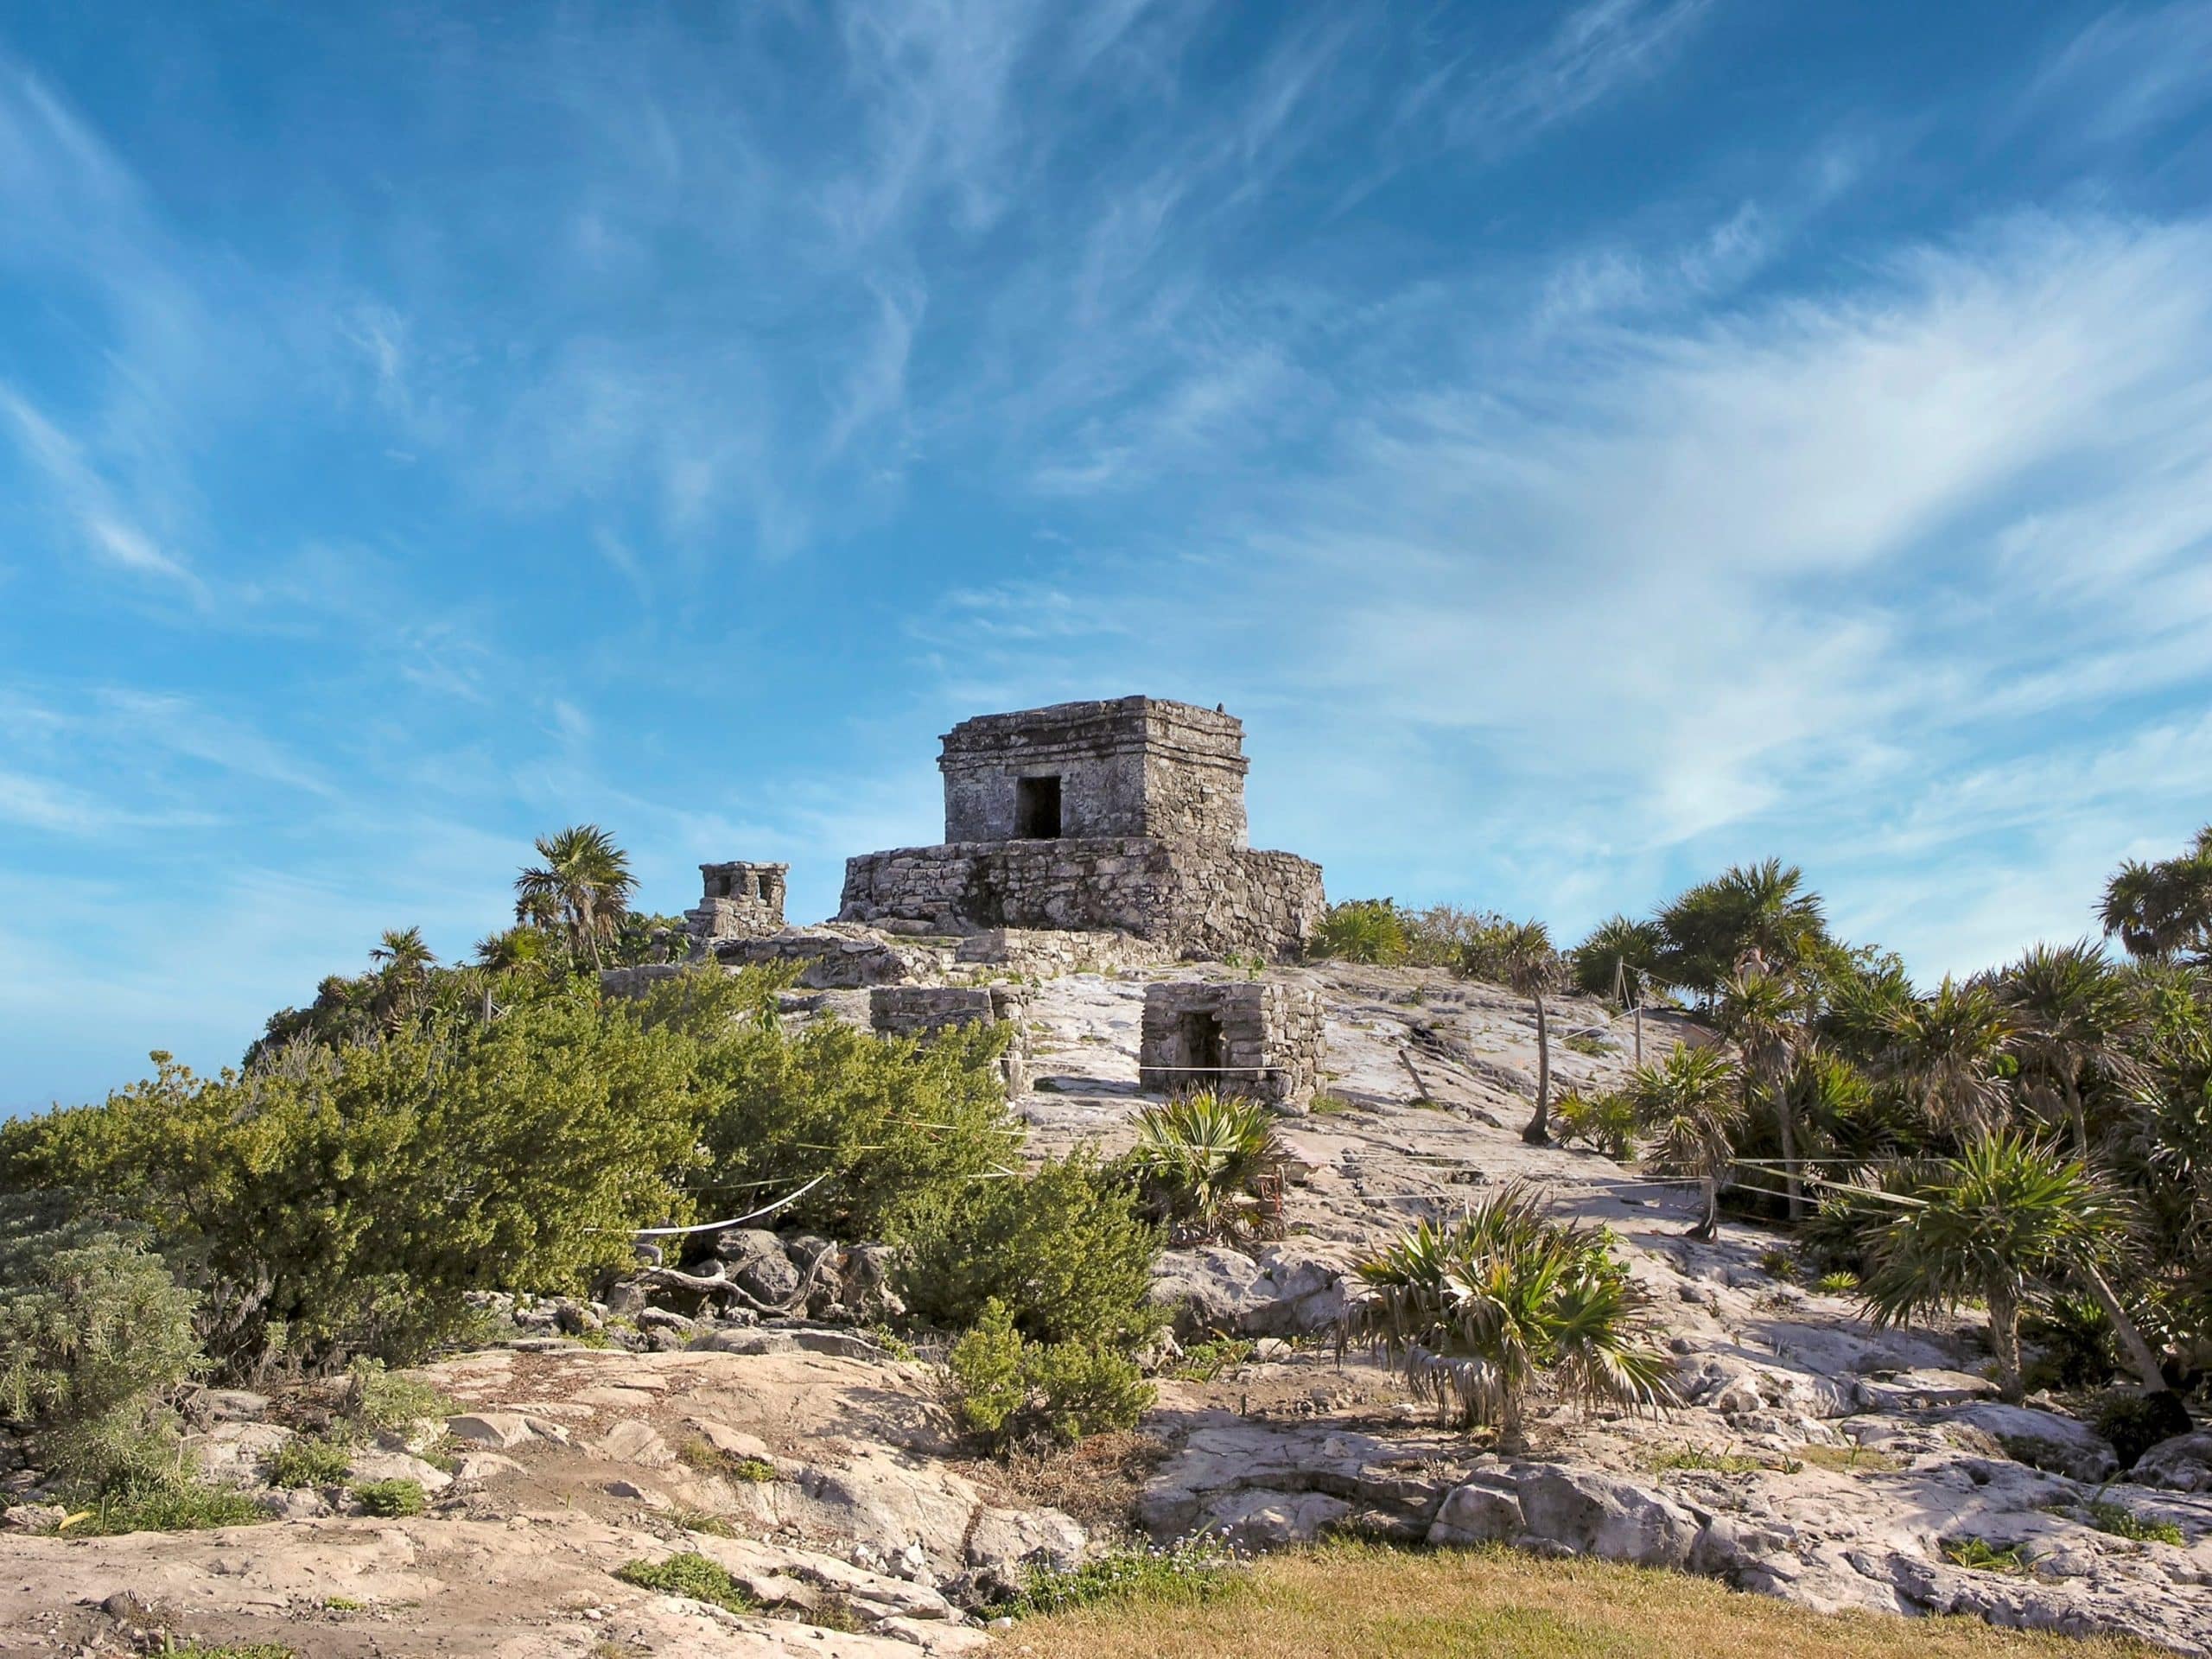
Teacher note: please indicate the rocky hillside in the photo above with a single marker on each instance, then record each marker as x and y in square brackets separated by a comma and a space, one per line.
[1813, 1459]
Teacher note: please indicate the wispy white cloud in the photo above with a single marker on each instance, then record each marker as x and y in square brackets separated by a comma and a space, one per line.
[101, 525]
[2131, 69]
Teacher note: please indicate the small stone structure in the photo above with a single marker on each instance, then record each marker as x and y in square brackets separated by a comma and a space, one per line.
[1125, 815]
[923, 1011]
[1261, 1037]
[743, 900]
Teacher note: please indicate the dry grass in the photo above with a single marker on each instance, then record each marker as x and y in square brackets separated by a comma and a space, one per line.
[1350, 1601]
[1096, 1480]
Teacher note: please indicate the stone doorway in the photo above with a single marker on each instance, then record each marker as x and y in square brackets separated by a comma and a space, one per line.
[1037, 809]
[1198, 1043]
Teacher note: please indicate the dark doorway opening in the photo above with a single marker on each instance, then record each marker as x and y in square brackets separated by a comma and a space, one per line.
[1201, 1052]
[1037, 809]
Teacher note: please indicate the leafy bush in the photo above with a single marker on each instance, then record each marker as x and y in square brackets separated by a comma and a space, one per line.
[388, 1498]
[377, 1400]
[94, 1334]
[901, 1128]
[1201, 1161]
[2075, 1339]
[2136, 1422]
[1180, 1575]
[1606, 1123]
[1360, 930]
[1209, 1360]
[1010, 1392]
[1477, 1315]
[302, 1461]
[1063, 1250]
[349, 1203]
[690, 1574]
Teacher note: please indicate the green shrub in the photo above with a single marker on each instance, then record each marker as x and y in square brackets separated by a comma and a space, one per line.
[1180, 1575]
[388, 1498]
[304, 1462]
[689, 1575]
[1360, 930]
[2123, 1522]
[234, 1650]
[1202, 1161]
[1063, 1249]
[348, 1203]
[2136, 1422]
[1605, 1123]
[1779, 1263]
[1010, 1392]
[377, 1400]
[1842, 1282]
[901, 1128]
[177, 1505]
[1583, 1042]
[2074, 1344]
[95, 1336]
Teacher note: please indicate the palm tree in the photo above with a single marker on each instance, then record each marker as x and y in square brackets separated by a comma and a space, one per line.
[1206, 1161]
[1524, 955]
[1476, 1315]
[2165, 907]
[403, 964]
[584, 884]
[1944, 1052]
[511, 950]
[1688, 1109]
[2007, 1219]
[1763, 907]
[1761, 1012]
[2074, 1015]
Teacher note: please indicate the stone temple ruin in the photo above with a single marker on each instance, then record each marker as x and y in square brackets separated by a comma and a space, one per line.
[1258, 1038]
[741, 901]
[1125, 815]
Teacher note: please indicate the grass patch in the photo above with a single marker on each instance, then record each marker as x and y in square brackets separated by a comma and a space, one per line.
[1423, 1104]
[1356, 1601]
[1209, 1360]
[691, 1575]
[1979, 1555]
[689, 1520]
[2121, 1522]
[1779, 1264]
[1331, 1106]
[234, 1651]
[184, 1508]
[390, 1499]
[1712, 1463]
[1181, 1575]
[1847, 1459]
[1583, 1043]
[305, 1462]
[701, 1454]
[343, 1605]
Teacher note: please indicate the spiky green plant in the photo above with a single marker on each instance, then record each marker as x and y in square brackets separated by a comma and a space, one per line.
[1201, 1161]
[1763, 1014]
[1687, 1107]
[1604, 1122]
[1360, 930]
[584, 885]
[2009, 1219]
[1945, 1053]
[1477, 1315]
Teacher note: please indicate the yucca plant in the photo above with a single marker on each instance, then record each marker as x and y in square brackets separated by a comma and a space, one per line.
[1478, 1314]
[1688, 1107]
[1202, 1161]
[1604, 1122]
[2009, 1219]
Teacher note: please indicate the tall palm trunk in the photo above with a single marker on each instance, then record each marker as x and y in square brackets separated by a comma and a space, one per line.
[1539, 1132]
[2140, 1359]
[1785, 1122]
[1708, 1188]
[2077, 1114]
[2005, 1338]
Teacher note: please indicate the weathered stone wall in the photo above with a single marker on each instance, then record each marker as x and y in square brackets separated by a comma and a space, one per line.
[1131, 766]
[1195, 901]
[1047, 953]
[923, 1011]
[1268, 1034]
[741, 900]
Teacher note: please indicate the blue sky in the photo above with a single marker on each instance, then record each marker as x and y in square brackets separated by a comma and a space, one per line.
[1587, 445]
